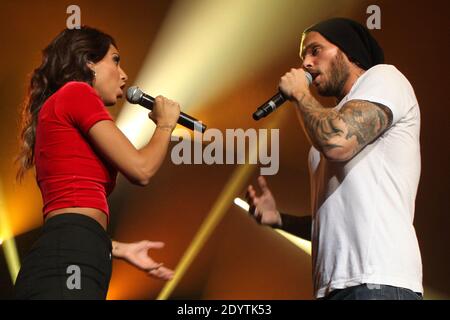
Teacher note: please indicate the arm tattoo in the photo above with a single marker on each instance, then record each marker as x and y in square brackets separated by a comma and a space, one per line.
[322, 126]
[365, 120]
[330, 129]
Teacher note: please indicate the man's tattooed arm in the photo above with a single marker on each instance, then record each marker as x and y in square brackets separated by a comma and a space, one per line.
[340, 135]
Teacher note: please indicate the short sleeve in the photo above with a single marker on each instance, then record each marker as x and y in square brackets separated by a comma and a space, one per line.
[386, 85]
[80, 106]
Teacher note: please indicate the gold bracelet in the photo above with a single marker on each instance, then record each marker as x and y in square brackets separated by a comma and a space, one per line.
[167, 127]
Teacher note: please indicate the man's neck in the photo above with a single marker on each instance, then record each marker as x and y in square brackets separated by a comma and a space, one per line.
[355, 73]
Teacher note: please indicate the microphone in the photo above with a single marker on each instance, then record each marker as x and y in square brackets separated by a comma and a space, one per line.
[277, 100]
[136, 96]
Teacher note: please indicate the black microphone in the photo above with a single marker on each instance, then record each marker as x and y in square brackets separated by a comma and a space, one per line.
[277, 100]
[136, 96]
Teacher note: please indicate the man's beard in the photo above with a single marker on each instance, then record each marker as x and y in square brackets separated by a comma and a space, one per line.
[338, 76]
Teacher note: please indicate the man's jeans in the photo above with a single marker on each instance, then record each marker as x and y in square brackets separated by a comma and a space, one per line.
[370, 291]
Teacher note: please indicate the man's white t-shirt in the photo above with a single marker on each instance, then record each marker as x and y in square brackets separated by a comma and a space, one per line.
[363, 209]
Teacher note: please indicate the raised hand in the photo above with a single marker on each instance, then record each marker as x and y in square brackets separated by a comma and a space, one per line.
[263, 207]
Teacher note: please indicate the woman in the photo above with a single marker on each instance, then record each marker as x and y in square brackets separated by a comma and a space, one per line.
[70, 138]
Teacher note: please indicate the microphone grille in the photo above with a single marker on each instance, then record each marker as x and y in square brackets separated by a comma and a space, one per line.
[134, 94]
[308, 77]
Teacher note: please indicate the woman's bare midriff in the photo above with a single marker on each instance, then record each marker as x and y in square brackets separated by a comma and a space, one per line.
[94, 213]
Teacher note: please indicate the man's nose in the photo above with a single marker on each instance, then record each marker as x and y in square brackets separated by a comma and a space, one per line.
[307, 63]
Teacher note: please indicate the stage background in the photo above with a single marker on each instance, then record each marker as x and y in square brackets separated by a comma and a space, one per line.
[241, 260]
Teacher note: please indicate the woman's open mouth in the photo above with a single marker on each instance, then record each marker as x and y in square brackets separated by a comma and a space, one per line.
[121, 91]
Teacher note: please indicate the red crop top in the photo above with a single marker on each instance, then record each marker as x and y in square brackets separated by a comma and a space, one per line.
[69, 172]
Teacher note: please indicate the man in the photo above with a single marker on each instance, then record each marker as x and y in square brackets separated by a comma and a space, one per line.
[364, 166]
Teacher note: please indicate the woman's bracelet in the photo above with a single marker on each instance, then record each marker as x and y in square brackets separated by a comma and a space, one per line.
[166, 127]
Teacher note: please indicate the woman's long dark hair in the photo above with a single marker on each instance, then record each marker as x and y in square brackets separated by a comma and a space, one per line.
[64, 59]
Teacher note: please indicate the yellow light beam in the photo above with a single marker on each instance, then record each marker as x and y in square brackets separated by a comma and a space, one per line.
[8, 243]
[303, 244]
[235, 185]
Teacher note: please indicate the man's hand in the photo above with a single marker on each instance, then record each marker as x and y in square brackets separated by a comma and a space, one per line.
[263, 207]
[294, 84]
[137, 255]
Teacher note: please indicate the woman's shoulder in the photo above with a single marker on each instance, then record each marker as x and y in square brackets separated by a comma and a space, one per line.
[75, 87]
[78, 101]
[77, 91]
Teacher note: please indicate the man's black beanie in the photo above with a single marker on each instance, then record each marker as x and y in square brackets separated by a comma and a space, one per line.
[353, 39]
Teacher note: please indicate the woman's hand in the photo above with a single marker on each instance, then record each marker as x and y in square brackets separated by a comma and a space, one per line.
[137, 255]
[165, 112]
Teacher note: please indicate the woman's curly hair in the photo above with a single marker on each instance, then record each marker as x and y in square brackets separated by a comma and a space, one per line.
[65, 59]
